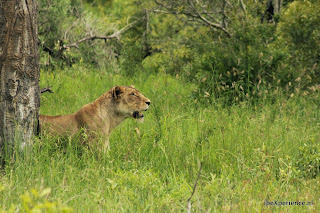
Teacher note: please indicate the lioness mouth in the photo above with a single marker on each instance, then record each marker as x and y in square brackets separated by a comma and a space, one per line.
[137, 115]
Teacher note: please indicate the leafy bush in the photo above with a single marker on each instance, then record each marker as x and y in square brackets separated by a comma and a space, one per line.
[298, 33]
[259, 60]
[63, 23]
[242, 66]
[36, 201]
[253, 61]
[309, 159]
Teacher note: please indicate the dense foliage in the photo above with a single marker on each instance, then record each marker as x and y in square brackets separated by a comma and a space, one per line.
[230, 50]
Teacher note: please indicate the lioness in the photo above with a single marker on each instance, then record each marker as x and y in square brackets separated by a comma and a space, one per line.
[100, 117]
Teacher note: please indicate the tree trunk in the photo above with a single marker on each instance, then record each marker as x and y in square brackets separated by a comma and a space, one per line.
[19, 72]
[277, 6]
[273, 7]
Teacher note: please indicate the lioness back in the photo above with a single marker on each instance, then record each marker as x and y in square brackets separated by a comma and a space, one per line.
[63, 125]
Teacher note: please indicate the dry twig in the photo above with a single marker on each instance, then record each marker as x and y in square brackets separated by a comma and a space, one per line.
[47, 89]
[200, 14]
[115, 35]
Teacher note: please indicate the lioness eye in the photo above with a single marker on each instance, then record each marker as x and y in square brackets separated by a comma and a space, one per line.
[133, 94]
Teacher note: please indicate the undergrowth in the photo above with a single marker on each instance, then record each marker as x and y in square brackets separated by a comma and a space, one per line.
[250, 153]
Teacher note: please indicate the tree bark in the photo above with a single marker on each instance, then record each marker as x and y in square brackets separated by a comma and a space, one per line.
[19, 72]
[277, 5]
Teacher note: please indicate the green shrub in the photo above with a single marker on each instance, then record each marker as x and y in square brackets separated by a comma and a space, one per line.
[36, 201]
[242, 66]
[309, 159]
[62, 23]
[298, 33]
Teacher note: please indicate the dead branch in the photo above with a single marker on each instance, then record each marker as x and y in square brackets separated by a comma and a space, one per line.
[209, 23]
[47, 89]
[243, 7]
[224, 15]
[162, 11]
[199, 16]
[194, 189]
[115, 35]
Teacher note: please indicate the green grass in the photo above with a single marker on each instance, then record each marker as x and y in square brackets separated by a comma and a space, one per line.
[249, 153]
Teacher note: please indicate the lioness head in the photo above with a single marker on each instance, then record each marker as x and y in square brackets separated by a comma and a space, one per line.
[130, 102]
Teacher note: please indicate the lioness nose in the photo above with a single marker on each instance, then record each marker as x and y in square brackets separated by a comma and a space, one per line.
[148, 102]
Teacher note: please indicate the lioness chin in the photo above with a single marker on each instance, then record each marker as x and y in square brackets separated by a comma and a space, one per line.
[100, 117]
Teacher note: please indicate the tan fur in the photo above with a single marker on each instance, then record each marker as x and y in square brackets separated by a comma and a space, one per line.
[100, 117]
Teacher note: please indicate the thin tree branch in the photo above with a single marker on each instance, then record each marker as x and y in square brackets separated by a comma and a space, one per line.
[243, 7]
[163, 11]
[214, 25]
[115, 35]
[47, 89]
[194, 13]
[194, 189]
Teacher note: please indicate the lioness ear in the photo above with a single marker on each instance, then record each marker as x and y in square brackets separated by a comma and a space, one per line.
[116, 91]
[132, 86]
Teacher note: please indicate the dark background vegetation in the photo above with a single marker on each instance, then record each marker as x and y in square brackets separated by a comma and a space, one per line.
[232, 50]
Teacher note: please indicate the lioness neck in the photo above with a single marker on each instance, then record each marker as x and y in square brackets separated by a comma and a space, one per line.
[111, 118]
